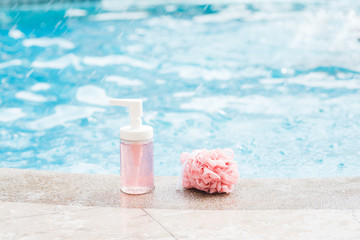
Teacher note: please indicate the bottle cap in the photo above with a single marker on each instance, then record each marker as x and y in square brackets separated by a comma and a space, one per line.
[136, 131]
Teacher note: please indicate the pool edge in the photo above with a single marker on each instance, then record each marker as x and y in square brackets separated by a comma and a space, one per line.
[36, 186]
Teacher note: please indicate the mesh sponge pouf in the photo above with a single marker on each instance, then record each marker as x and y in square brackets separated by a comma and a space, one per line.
[212, 171]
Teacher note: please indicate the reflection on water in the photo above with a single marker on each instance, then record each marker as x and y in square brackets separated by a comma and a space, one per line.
[276, 81]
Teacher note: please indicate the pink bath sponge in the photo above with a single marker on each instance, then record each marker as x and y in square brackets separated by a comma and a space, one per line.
[212, 171]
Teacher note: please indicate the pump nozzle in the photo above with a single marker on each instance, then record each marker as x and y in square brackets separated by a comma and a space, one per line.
[136, 131]
[135, 109]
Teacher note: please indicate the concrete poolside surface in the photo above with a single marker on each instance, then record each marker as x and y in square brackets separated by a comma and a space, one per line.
[49, 205]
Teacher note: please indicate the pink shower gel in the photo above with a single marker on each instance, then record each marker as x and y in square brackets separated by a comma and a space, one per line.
[136, 150]
[137, 170]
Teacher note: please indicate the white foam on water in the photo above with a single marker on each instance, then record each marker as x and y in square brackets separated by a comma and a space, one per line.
[323, 80]
[179, 121]
[192, 72]
[117, 60]
[75, 12]
[247, 86]
[228, 14]
[110, 28]
[218, 17]
[47, 42]
[170, 23]
[255, 104]
[16, 33]
[314, 32]
[349, 84]
[11, 114]
[329, 31]
[170, 8]
[15, 139]
[349, 104]
[316, 80]
[122, 81]
[184, 94]
[29, 96]
[209, 104]
[92, 95]
[134, 48]
[40, 87]
[60, 63]
[63, 114]
[14, 62]
[160, 81]
[270, 81]
[110, 5]
[141, 31]
[13, 164]
[251, 72]
[119, 16]
[4, 18]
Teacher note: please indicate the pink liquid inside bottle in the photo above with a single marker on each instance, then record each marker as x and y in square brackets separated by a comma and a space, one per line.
[137, 170]
[136, 150]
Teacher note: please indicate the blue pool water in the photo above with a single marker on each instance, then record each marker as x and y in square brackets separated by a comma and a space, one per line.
[278, 82]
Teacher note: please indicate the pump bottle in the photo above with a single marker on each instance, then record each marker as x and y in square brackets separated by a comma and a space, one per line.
[136, 150]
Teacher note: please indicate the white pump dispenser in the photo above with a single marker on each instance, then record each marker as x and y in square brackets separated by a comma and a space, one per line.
[136, 131]
[136, 151]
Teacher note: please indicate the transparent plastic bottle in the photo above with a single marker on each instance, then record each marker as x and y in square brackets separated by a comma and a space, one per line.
[137, 166]
[136, 150]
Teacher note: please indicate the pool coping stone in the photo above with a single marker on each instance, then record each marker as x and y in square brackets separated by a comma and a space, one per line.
[37, 186]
